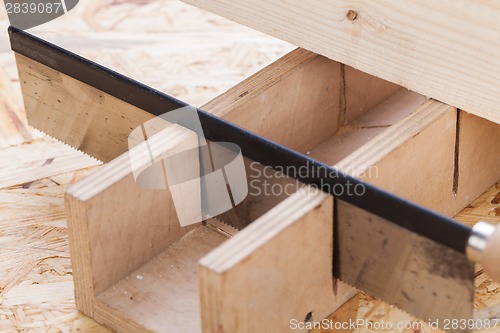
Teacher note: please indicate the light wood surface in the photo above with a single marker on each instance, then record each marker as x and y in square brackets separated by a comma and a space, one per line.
[135, 38]
[442, 49]
[300, 93]
[344, 148]
[401, 159]
[35, 276]
[487, 292]
[162, 295]
[40, 160]
[311, 95]
[478, 164]
[112, 234]
[12, 118]
[257, 274]
[345, 314]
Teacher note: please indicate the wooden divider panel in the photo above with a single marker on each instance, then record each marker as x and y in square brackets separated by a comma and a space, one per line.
[115, 225]
[275, 273]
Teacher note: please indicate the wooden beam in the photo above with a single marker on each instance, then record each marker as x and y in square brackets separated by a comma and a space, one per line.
[442, 49]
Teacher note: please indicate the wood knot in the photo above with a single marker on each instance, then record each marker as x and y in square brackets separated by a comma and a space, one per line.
[352, 15]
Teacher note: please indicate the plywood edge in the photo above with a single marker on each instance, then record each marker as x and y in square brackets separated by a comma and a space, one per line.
[79, 245]
[393, 137]
[114, 319]
[253, 86]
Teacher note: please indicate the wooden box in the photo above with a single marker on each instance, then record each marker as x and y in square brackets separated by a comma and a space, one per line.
[137, 270]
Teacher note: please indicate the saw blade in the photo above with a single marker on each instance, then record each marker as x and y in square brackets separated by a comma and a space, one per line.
[220, 227]
[266, 189]
[411, 272]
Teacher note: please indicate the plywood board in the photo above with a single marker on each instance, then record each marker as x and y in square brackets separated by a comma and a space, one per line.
[258, 274]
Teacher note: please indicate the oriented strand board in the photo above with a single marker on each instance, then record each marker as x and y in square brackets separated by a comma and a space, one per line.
[13, 124]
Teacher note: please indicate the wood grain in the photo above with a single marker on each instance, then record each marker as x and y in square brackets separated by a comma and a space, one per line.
[402, 159]
[134, 38]
[163, 294]
[23, 211]
[440, 49]
[478, 158]
[13, 123]
[298, 93]
[249, 276]
[75, 113]
[115, 225]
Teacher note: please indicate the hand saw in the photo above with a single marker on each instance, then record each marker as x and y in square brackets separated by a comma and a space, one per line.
[380, 238]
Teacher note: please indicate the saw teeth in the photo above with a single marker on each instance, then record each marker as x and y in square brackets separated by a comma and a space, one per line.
[490, 313]
[221, 227]
[381, 300]
[391, 306]
[64, 143]
[336, 280]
